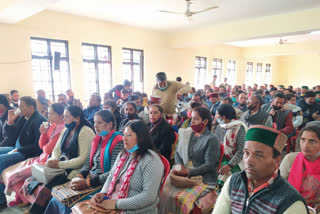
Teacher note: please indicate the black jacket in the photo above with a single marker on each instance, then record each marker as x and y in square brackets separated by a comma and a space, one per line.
[308, 110]
[28, 133]
[163, 137]
[3, 134]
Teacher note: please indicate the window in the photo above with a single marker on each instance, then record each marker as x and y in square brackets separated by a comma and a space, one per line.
[268, 74]
[53, 79]
[97, 65]
[259, 74]
[132, 61]
[231, 73]
[249, 73]
[200, 72]
[217, 69]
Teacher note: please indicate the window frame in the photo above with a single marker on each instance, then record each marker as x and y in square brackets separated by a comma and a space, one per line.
[268, 80]
[259, 69]
[198, 70]
[229, 71]
[132, 63]
[215, 69]
[51, 58]
[249, 81]
[96, 62]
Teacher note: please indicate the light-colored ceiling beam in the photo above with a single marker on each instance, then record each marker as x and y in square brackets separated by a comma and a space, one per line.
[13, 11]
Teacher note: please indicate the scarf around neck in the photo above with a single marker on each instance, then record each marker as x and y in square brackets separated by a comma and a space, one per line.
[230, 138]
[305, 177]
[124, 189]
[155, 125]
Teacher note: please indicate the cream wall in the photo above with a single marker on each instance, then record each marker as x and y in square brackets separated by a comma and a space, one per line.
[301, 69]
[161, 53]
[15, 47]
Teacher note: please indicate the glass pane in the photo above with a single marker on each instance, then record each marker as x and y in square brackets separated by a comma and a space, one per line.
[61, 78]
[126, 55]
[90, 77]
[137, 57]
[104, 71]
[88, 52]
[39, 47]
[58, 47]
[127, 72]
[103, 54]
[137, 80]
[41, 76]
[197, 62]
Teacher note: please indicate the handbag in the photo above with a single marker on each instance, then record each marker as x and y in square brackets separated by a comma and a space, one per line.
[45, 174]
[69, 197]
[86, 207]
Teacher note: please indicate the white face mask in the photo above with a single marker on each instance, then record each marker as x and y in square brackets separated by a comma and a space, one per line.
[221, 122]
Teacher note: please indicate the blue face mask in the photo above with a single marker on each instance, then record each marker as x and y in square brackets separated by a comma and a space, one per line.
[133, 149]
[103, 133]
[71, 125]
[190, 95]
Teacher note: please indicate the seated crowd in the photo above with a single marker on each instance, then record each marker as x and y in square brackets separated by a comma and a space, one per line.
[214, 150]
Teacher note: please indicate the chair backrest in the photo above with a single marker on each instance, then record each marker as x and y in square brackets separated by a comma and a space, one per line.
[221, 154]
[174, 146]
[166, 165]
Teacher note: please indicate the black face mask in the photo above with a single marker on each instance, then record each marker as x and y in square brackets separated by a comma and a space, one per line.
[252, 107]
[276, 107]
[131, 116]
[221, 94]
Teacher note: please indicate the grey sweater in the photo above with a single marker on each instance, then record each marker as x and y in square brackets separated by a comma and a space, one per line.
[236, 159]
[144, 187]
[204, 152]
[101, 177]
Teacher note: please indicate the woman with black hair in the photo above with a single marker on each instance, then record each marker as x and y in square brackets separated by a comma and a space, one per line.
[130, 111]
[197, 156]
[231, 133]
[302, 168]
[104, 150]
[133, 186]
[114, 108]
[162, 133]
[14, 176]
[69, 153]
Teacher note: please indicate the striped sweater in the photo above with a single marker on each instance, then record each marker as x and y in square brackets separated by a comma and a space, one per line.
[276, 198]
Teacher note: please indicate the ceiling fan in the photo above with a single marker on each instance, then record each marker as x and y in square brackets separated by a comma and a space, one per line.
[283, 41]
[188, 12]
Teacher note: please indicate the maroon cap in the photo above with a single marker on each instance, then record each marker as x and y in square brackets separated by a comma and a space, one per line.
[214, 94]
[155, 99]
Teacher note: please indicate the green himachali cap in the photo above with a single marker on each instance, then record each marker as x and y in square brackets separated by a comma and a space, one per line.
[305, 87]
[268, 136]
[317, 92]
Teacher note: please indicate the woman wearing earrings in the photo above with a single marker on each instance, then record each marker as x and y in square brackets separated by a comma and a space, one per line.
[69, 153]
[133, 185]
[104, 150]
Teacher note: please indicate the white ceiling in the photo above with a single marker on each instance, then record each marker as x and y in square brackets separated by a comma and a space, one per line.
[287, 39]
[144, 13]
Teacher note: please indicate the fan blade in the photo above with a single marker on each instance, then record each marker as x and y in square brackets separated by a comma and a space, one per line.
[209, 8]
[166, 11]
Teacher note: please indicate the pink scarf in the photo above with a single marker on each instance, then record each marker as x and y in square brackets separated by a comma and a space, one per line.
[125, 185]
[305, 177]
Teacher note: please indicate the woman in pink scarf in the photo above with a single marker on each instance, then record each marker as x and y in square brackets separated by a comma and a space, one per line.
[14, 176]
[303, 168]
